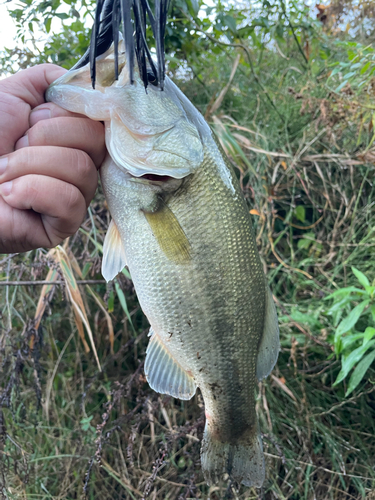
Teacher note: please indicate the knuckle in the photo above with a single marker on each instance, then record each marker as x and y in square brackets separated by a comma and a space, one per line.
[38, 133]
[74, 201]
[84, 164]
[24, 188]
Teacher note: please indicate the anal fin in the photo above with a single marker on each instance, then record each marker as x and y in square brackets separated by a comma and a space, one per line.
[163, 372]
[269, 345]
[114, 258]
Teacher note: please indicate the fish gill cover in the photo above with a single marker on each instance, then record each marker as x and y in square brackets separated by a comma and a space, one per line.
[133, 15]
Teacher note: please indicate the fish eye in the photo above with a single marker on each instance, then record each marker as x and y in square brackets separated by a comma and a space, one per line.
[151, 78]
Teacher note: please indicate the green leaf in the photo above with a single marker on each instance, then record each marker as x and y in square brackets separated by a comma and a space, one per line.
[96, 243]
[335, 71]
[300, 213]
[122, 299]
[230, 22]
[61, 15]
[304, 244]
[111, 302]
[85, 423]
[360, 371]
[340, 304]
[348, 340]
[305, 318]
[349, 322]
[86, 269]
[373, 313]
[306, 241]
[349, 361]
[341, 86]
[369, 333]
[126, 273]
[361, 277]
[365, 67]
[345, 291]
[194, 6]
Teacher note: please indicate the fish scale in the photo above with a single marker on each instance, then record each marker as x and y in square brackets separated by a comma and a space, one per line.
[183, 228]
[214, 321]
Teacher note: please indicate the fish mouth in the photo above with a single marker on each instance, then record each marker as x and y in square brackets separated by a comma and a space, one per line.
[166, 183]
[151, 178]
[157, 178]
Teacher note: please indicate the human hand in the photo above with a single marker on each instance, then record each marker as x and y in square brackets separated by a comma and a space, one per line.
[48, 163]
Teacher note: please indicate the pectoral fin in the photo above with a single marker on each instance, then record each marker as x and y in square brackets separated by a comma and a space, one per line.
[169, 234]
[164, 374]
[114, 258]
[269, 346]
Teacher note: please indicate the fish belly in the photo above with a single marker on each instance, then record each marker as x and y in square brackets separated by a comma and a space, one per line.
[208, 311]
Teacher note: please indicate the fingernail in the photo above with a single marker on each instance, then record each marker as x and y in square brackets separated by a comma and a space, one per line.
[22, 143]
[6, 188]
[3, 164]
[38, 115]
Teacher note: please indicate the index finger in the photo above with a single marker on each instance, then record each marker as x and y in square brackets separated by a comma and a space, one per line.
[30, 84]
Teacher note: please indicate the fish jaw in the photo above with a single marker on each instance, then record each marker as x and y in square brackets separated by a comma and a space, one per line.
[73, 90]
[172, 149]
[78, 99]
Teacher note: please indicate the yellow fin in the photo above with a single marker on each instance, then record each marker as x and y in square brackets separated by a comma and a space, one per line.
[169, 234]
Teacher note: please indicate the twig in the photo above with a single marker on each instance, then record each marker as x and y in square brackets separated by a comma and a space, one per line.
[299, 327]
[346, 401]
[52, 377]
[284, 264]
[247, 52]
[320, 468]
[38, 283]
[294, 33]
[219, 100]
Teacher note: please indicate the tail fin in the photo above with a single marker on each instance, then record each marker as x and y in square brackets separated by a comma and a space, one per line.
[243, 462]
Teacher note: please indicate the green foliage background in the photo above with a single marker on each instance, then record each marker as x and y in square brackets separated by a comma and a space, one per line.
[296, 119]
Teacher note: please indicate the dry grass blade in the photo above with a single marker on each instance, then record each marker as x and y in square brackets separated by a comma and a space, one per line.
[76, 300]
[245, 143]
[100, 303]
[52, 377]
[52, 276]
[216, 105]
[231, 146]
[280, 382]
[97, 299]
[44, 297]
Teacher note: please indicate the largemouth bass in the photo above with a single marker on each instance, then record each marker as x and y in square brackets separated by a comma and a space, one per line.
[181, 225]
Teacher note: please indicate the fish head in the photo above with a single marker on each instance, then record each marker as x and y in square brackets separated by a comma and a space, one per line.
[148, 131]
